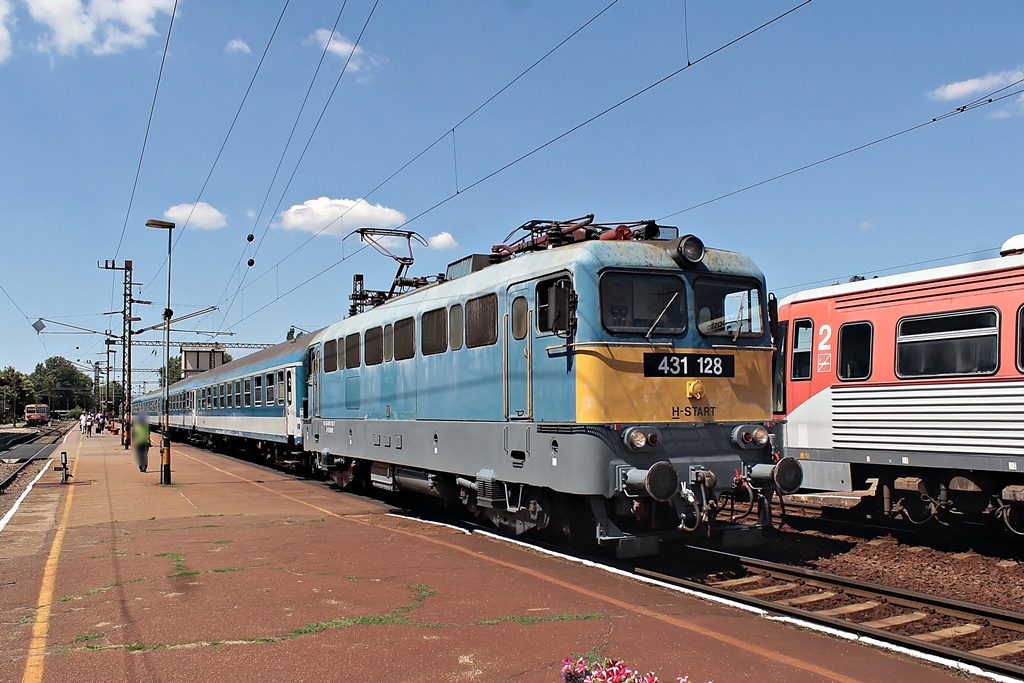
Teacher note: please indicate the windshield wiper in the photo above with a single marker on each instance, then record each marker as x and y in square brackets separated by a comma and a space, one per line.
[661, 315]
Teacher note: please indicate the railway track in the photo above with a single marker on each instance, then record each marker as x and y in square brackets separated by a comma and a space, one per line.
[44, 437]
[987, 637]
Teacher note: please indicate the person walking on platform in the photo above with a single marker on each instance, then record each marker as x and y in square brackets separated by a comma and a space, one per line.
[88, 424]
[140, 439]
[81, 423]
[100, 422]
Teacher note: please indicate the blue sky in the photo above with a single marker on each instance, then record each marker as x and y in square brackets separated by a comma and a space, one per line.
[77, 81]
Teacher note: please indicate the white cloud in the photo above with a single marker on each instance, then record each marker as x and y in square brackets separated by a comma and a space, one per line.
[340, 47]
[250, 213]
[313, 215]
[867, 226]
[237, 45]
[5, 32]
[203, 217]
[98, 26]
[976, 86]
[442, 240]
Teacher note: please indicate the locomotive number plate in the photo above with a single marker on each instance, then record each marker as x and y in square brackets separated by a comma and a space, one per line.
[689, 365]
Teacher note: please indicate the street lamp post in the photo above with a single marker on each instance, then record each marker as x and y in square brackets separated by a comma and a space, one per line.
[165, 448]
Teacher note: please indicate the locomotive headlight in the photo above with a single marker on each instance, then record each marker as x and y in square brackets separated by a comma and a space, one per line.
[691, 249]
[760, 436]
[750, 436]
[635, 438]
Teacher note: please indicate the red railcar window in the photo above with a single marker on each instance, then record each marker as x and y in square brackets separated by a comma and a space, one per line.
[855, 351]
[959, 343]
[803, 336]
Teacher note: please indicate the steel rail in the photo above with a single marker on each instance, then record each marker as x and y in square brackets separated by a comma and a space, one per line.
[903, 598]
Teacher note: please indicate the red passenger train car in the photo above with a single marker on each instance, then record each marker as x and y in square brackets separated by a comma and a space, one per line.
[913, 384]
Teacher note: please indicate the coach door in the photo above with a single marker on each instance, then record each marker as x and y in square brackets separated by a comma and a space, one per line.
[518, 362]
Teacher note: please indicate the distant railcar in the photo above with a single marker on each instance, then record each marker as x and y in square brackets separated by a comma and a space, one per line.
[607, 382]
[37, 414]
[913, 382]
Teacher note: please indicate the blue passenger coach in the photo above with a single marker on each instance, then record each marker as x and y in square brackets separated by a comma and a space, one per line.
[253, 403]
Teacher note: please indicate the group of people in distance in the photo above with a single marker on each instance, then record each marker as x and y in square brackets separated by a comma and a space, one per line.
[88, 421]
[139, 435]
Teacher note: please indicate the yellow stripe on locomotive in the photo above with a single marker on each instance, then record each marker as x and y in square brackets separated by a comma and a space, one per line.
[617, 384]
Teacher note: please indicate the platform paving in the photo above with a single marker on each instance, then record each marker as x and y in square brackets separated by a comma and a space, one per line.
[240, 573]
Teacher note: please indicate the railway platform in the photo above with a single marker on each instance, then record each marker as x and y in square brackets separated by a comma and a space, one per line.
[236, 572]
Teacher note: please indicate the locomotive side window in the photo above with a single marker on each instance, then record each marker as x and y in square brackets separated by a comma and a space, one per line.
[270, 389]
[482, 321]
[962, 343]
[854, 351]
[352, 351]
[248, 392]
[553, 305]
[633, 303]
[728, 308]
[331, 355]
[405, 338]
[373, 346]
[779, 370]
[803, 336]
[456, 327]
[257, 390]
[520, 317]
[389, 342]
[435, 331]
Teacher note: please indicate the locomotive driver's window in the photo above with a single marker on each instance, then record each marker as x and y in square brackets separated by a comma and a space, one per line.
[802, 338]
[643, 304]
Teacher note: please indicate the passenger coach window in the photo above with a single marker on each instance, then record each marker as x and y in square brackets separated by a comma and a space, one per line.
[331, 355]
[257, 388]
[632, 303]
[373, 346]
[728, 308]
[803, 335]
[248, 392]
[280, 387]
[435, 331]
[352, 351]
[389, 342]
[405, 338]
[482, 321]
[456, 328]
[238, 393]
[270, 389]
[855, 351]
[231, 397]
[964, 343]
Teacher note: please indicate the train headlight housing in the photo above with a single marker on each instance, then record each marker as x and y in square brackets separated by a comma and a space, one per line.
[750, 436]
[691, 249]
[635, 438]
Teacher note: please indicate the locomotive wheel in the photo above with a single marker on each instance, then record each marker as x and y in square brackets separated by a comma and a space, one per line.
[576, 524]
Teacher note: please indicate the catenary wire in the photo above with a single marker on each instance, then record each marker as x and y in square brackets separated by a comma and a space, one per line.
[284, 152]
[433, 144]
[305, 148]
[562, 135]
[227, 136]
[980, 102]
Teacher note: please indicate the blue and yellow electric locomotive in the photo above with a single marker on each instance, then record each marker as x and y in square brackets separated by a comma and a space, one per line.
[609, 382]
